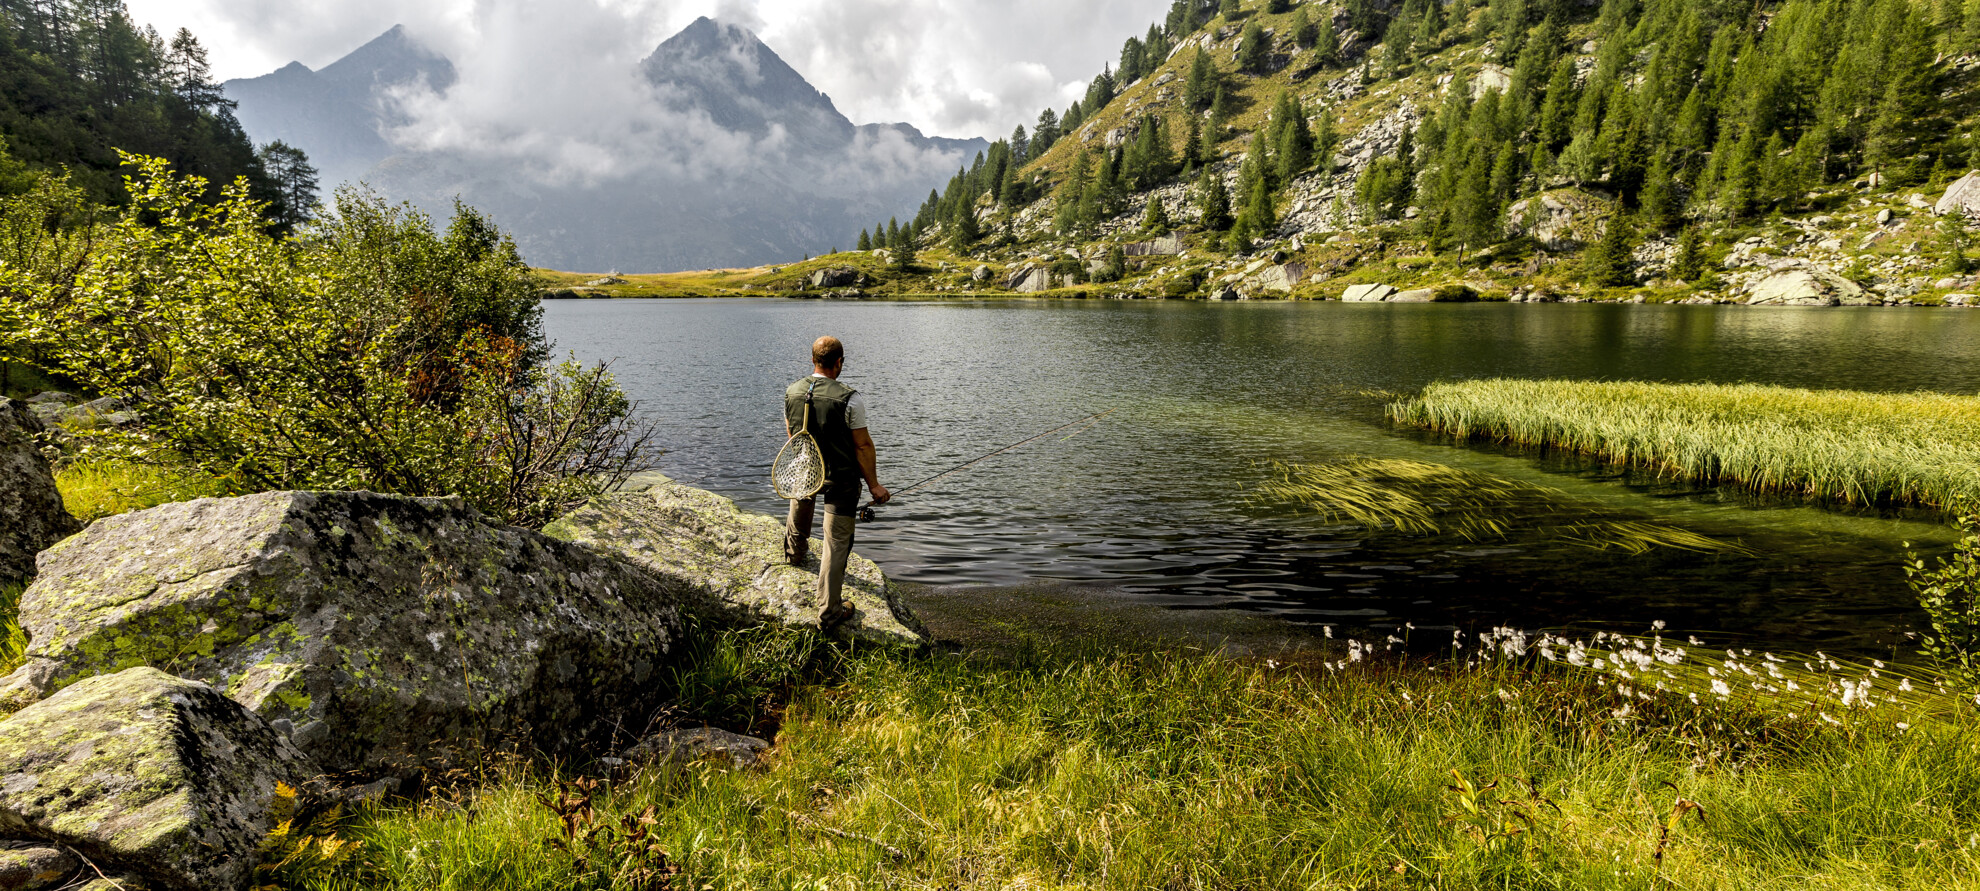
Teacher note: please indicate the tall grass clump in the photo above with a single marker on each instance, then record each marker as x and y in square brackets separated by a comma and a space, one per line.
[1852, 448]
[94, 489]
[1062, 768]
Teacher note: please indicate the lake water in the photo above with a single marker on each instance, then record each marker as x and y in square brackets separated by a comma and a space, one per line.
[1155, 500]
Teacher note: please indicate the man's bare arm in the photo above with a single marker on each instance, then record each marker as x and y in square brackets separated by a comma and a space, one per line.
[869, 464]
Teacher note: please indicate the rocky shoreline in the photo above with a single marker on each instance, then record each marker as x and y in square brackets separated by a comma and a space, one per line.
[187, 661]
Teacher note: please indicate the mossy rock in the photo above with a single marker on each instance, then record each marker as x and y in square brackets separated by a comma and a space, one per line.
[389, 634]
[31, 513]
[144, 772]
[734, 560]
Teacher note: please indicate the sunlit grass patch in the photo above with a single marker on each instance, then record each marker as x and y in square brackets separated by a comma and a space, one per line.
[1866, 449]
[1064, 768]
[93, 490]
[1422, 498]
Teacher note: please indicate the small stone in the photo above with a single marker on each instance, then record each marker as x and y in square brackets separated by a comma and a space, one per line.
[31, 868]
[742, 752]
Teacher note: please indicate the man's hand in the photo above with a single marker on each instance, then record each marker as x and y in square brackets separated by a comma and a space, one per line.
[880, 494]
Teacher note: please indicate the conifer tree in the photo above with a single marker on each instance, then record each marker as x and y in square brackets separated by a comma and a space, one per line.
[902, 259]
[1258, 209]
[964, 231]
[893, 234]
[1075, 115]
[1020, 147]
[1193, 144]
[295, 184]
[1201, 88]
[1045, 134]
[1213, 202]
[1253, 52]
[1606, 265]
[1156, 220]
[1305, 33]
[865, 241]
[1228, 9]
[1955, 239]
[1326, 43]
[1691, 260]
[1659, 200]
[1220, 116]
[1294, 140]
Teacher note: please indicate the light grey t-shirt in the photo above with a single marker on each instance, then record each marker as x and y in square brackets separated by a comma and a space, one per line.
[855, 409]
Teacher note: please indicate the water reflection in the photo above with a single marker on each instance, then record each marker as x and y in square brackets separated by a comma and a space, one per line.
[1208, 395]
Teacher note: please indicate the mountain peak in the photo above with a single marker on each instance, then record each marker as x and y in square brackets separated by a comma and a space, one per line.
[740, 82]
[390, 58]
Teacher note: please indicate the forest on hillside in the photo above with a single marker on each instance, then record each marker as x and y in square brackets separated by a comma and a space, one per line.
[79, 81]
[1682, 111]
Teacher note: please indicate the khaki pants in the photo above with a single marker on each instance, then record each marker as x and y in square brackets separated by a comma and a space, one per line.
[840, 520]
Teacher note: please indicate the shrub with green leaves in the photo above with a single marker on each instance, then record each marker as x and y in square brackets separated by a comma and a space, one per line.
[1949, 590]
[367, 352]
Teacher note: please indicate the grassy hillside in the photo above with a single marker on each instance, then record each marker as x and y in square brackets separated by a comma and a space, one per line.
[1648, 150]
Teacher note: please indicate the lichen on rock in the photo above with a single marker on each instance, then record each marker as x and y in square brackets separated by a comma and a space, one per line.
[386, 633]
[148, 773]
[734, 560]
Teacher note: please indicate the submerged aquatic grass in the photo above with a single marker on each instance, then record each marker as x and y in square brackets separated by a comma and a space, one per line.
[1063, 768]
[1854, 448]
[1422, 498]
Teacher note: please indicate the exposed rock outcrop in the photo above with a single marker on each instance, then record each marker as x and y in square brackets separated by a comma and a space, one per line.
[383, 632]
[1963, 195]
[31, 513]
[1367, 294]
[835, 277]
[149, 773]
[1167, 244]
[1559, 220]
[1805, 285]
[1030, 280]
[732, 561]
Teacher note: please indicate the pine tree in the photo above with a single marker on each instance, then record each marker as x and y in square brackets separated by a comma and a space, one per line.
[963, 229]
[1607, 263]
[1305, 33]
[865, 241]
[1020, 147]
[295, 183]
[1045, 134]
[1661, 207]
[1294, 140]
[1220, 116]
[1691, 259]
[1276, 7]
[1326, 43]
[1955, 239]
[1253, 52]
[1117, 263]
[1228, 9]
[1201, 88]
[893, 235]
[1193, 144]
[1213, 202]
[1156, 220]
[902, 259]
[1075, 115]
[1258, 209]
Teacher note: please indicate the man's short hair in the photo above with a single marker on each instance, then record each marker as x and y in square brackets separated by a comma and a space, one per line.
[827, 351]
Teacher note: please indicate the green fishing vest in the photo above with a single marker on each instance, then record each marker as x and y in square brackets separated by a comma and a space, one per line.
[828, 426]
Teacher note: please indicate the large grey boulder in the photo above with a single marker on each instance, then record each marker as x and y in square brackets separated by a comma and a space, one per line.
[387, 633]
[733, 560]
[1167, 244]
[144, 772]
[1282, 278]
[31, 512]
[1030, 280]
[1367, 294]
[1415, 295]
[834, 277]
[1963, 195]
[1805, 286]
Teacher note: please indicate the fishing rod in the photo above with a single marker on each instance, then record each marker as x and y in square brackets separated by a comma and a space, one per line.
[866, 512]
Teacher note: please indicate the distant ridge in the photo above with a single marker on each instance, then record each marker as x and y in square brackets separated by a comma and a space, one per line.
[815, 182]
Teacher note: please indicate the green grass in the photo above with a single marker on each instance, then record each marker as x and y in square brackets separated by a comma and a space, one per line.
[93, 490]
[1070, 769]
[1852, 448]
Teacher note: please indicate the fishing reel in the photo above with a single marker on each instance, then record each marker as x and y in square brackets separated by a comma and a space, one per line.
[866, 514]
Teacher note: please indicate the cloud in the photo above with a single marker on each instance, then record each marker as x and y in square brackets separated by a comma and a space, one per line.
[949, 67]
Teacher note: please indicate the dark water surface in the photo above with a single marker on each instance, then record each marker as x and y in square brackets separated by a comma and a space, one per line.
[1153, 500]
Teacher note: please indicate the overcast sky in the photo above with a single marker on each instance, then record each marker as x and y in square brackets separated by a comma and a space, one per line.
[951, 67]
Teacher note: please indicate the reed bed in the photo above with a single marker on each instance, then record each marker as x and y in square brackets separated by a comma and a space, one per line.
[1851, 448]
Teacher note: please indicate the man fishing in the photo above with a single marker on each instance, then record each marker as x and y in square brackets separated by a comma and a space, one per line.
[837, 420]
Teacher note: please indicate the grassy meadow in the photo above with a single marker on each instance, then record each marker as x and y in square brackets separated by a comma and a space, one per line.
[1635, 765]
[1850, 448]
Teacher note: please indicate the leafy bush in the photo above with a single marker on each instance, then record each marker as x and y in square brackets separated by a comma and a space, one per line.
[1949, 590]
[370, 352]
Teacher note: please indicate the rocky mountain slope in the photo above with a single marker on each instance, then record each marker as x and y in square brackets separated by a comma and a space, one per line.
[1807, 152]
[795, 173]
